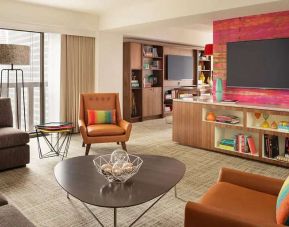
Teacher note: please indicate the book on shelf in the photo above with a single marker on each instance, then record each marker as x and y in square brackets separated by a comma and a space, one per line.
[286, 152]
[229, 119]
[226, 147]
[271, 146]
[251, 144]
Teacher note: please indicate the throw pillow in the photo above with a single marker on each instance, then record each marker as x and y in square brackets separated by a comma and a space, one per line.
[282, 206]
[101, 117]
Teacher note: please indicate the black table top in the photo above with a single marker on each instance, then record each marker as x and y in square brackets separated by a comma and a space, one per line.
[158, 174]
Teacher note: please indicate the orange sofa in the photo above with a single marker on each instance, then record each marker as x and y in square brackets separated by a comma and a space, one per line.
[102, 133]
[238, 199]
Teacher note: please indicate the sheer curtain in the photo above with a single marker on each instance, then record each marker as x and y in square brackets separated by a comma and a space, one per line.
[77, 74]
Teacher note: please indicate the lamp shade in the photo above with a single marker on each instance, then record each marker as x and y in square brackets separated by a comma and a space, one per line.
[208, 49]
[14, 54]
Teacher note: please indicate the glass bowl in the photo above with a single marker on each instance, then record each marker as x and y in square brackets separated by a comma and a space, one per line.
[119, 171]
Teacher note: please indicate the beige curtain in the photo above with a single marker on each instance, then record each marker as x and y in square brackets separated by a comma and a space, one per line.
[77, 74]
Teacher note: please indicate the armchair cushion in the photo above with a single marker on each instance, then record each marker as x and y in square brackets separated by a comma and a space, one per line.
[104, 130]
[101, 117]
[11, 137]
[256, 206]
[282, 207]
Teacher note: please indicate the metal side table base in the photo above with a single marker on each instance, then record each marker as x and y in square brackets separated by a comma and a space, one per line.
[176, 195]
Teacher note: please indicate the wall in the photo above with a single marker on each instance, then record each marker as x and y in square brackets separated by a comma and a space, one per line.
[264, 26]
[110, 58]
[23, 16]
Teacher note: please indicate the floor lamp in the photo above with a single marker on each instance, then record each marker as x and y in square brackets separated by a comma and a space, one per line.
[11, 54]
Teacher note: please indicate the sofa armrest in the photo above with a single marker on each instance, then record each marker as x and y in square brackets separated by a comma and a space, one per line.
[126, 126]
[252, 181]
[197, 215]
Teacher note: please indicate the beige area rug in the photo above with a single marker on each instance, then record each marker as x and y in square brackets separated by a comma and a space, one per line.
[36, 193]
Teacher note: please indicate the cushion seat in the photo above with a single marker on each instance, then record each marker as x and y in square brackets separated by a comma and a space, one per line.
[105, 130]
[11, 137]
[252, 205]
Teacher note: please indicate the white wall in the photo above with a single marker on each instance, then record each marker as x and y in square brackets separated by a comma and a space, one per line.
[110, 57]
[23, 16]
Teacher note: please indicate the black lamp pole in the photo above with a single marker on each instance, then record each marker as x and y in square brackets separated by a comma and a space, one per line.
[18, 110]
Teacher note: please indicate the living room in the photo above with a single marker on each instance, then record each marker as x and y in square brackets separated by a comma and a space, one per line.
[144, 113]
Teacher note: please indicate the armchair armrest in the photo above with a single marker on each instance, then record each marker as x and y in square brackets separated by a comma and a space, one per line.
[126, 126]
[200, 215]
[252, 181]
[82, 128]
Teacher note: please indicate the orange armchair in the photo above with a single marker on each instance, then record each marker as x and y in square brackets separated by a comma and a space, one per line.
[238, 199]
[102, 133]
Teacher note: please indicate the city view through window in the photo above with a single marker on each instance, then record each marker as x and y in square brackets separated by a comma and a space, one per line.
[32, 77]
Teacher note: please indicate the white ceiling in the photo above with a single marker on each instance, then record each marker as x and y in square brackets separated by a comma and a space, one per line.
[86, 6]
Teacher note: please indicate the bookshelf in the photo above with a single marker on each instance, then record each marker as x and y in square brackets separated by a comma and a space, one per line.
[147, 94]
[192, 128]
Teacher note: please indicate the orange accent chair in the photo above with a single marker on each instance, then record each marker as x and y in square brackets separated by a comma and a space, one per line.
[102, 133]
[238, 199]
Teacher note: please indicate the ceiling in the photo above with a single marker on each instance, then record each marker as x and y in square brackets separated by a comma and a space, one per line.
[86, 6]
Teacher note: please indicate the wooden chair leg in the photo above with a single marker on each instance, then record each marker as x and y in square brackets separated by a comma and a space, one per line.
[83, 144]
[123, 145]
[87, 149]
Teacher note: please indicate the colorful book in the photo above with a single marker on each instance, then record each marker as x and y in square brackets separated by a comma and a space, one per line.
[251, 144]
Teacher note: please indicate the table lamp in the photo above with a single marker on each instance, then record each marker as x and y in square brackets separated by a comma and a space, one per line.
[11, 54]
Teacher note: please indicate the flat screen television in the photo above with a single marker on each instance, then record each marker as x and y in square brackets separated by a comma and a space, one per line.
[258, 64]
[179, 67]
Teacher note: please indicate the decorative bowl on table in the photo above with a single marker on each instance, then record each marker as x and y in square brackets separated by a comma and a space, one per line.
[118, 166]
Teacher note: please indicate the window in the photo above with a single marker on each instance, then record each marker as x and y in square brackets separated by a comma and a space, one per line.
[41, 87]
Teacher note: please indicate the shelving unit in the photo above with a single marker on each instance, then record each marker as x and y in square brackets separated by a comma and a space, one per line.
[205, 66]
[201, 133]
[145, 61]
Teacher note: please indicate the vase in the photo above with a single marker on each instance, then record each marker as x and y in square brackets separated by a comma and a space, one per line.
[219, 96]
[219, 90]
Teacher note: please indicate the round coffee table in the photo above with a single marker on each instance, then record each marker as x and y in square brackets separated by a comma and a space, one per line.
[157, 175]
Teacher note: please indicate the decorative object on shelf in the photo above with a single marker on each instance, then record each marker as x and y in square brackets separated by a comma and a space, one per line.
[11, 54]
[208, 49]
[257, 115]
[202, 77]
[118, 166]
[219, 89]
[274, 125]
[146, 66]
[283, 126]
[265, 124]
[229, 119]
[211, 116]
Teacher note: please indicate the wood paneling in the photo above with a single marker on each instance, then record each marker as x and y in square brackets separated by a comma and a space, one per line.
[135, 56]
[189, 128]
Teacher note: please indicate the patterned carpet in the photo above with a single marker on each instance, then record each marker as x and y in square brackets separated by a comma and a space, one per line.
[35, 191]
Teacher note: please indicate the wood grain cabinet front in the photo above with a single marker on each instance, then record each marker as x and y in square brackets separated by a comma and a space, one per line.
[152, 101]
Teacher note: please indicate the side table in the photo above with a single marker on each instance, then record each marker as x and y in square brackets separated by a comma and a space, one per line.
[57, 136]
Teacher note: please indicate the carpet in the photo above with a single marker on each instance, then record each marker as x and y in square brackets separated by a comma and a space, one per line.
[35, 192]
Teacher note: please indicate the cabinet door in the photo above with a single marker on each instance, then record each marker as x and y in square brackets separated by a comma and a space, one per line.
[135, 55]
[147, 109]
[157, 101]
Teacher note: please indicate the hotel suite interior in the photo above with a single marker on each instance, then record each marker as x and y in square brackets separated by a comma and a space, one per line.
[144, 113]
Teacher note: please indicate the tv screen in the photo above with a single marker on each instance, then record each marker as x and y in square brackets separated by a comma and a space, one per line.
[179, 67]
[258, 64]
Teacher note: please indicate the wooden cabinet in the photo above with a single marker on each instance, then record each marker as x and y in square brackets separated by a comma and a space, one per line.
[135, 56]
[152, 101]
